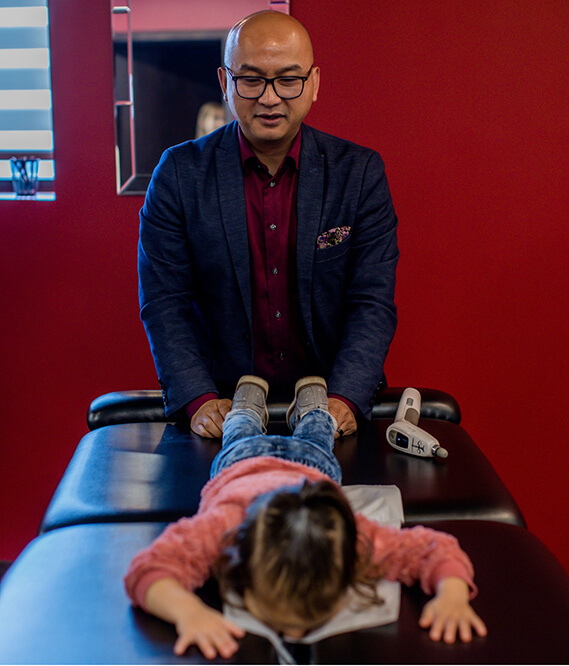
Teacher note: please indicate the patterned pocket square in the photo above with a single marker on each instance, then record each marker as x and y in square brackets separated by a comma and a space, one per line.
[332, 237]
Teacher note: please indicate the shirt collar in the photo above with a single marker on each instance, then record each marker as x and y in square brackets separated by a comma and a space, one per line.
[247, 152]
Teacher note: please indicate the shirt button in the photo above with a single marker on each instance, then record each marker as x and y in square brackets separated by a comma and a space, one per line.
[272, 183]
[273, 227]
[275, 271]
[277, 314]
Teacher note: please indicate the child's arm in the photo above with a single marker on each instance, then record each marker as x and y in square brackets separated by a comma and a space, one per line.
[196, 623]
[185, 551]
[443, 569]
[450, 612]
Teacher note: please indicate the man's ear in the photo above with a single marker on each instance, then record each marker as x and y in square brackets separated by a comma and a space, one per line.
[222, 76]
[316, 83]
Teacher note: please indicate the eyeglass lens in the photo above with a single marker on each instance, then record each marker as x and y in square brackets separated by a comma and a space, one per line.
[253, 87]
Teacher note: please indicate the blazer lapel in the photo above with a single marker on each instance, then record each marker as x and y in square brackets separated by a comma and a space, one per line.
[309, 212]
[233, 211]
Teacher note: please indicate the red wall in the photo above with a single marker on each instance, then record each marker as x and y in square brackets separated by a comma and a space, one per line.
[68, 302]
[468, 104]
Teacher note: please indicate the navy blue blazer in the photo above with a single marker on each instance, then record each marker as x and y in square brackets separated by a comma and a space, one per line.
[195, 283]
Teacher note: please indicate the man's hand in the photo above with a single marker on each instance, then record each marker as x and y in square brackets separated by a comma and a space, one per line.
[196, 623]
[344, 416]
[208, 420]
[450, 613]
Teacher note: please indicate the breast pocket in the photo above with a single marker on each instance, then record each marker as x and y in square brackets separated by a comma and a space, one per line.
[332, 244]
[330, 254]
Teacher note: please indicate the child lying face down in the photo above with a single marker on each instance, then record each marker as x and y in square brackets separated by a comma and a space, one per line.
[275, 528]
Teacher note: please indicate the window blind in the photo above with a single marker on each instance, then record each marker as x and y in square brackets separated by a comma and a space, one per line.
[26, 125]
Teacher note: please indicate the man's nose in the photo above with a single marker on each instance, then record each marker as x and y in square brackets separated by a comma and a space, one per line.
[269, 96]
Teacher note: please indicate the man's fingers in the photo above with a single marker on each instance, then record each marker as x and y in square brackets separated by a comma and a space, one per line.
[344, 429]
[212, 429]
[214, 423]
[224, 407]
[345, 419]
[205, 427]
[208, 420]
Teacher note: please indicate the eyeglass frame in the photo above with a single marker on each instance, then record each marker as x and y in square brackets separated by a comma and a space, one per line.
[235, 78]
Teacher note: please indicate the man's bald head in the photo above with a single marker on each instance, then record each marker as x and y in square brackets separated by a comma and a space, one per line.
[266, 27]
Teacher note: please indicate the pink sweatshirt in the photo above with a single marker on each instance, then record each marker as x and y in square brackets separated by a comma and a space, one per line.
[187, 549]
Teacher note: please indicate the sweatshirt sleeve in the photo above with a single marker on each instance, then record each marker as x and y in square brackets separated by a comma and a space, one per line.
[417, 554]
[185, 551]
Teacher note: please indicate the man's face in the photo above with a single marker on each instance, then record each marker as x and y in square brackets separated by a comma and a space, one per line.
[269, 51]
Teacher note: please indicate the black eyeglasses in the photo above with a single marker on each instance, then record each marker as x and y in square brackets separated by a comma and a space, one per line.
[253, 87]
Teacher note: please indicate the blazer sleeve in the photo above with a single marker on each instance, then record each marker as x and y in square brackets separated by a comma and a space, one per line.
[167, 291]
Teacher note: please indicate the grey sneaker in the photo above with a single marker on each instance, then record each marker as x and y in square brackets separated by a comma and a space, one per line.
[309, 393]
[251, 393]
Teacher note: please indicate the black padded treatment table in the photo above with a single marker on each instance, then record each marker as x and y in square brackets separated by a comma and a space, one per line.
[153, 470]
[63, 600]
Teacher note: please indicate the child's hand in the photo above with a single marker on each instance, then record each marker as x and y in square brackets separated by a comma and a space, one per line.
[196, 623]
[450, 612]
[210, 631]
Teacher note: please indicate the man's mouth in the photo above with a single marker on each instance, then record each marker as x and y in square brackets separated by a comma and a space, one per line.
[270, 118]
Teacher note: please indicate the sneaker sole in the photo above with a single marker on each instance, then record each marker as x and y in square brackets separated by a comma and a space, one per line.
[261, 383]
[300, 384]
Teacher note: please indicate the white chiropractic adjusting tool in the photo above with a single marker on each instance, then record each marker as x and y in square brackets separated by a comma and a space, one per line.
[406, 436]
[409, 408]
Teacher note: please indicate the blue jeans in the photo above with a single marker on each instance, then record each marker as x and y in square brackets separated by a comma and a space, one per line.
[312, 442]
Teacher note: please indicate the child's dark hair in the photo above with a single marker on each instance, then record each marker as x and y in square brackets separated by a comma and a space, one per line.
[299, 546]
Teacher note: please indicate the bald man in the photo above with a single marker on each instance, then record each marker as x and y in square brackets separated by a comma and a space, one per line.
[268, 247]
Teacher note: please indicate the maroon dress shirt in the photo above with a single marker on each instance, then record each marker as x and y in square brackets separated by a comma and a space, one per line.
[279, 355]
